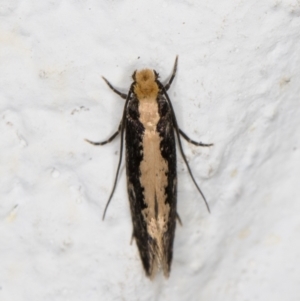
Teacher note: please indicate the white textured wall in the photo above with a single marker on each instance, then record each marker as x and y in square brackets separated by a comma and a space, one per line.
[237, 86]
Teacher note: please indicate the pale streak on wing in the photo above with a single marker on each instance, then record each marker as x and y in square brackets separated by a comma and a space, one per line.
[154, 170]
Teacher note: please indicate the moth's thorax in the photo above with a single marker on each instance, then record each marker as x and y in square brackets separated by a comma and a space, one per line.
[145, 86]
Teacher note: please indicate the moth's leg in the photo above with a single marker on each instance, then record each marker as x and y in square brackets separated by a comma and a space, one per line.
[178, 219]
[123, 95]
[108, 140]
[132, 237]
[167, 86]
[185, 136]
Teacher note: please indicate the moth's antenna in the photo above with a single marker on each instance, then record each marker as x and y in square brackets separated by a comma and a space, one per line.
[167, 86]
[121, 150]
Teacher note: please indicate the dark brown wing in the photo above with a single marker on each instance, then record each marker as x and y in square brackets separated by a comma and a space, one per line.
[134, 156]
[165, 128]
[134, 132]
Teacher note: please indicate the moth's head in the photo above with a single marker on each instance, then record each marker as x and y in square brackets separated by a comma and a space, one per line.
[145, 83]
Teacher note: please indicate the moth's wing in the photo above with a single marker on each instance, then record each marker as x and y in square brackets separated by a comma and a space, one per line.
[134, 156]
[165, 127]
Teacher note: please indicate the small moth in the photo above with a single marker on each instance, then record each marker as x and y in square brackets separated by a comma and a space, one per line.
[150, 127]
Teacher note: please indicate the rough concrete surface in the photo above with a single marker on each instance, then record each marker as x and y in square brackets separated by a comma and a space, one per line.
[237, 86]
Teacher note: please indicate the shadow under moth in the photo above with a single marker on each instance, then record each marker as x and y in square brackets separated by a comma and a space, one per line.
[150, 127]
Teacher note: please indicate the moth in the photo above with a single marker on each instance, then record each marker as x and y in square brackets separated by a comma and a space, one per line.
[150, 127]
